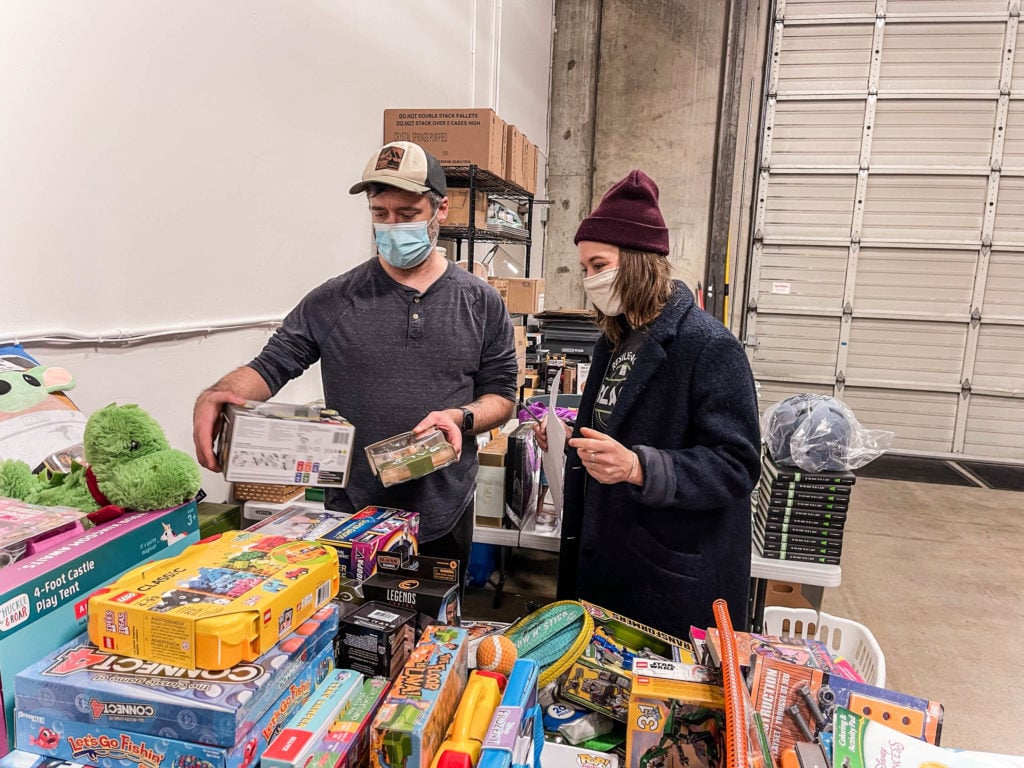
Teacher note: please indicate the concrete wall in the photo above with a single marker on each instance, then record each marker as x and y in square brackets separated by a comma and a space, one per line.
[653, 90]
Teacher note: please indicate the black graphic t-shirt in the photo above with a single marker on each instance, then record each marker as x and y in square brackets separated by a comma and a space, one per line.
[618, 372]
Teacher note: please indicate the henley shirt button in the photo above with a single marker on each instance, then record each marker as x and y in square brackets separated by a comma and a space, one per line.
[416, 316]
[417, 299]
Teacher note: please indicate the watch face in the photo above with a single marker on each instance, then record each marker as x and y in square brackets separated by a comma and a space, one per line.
[467, 419]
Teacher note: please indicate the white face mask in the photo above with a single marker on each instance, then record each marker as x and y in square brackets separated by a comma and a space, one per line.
[601, 293]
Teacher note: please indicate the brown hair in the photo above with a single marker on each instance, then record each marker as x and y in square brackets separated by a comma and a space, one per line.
[644, 284]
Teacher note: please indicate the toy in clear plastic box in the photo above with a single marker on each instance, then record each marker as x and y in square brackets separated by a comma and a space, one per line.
[300, 522]
[222, 601]
[407, 456]
[31, 528]
[83, 683]
[118, 748]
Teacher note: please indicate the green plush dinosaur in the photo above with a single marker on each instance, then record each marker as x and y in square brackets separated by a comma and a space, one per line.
[131, 466]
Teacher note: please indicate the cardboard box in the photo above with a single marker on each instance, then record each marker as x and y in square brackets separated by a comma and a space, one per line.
[368, 535]
[519, 339]
[531, 156]
[666, 708]
[220, 602]
[427, 585]
[286, 444]
[500, 284]
[453, 136]
[117, 748]
[376, 639]
[86, 684]
[347, 743]
[458, 209]
[557, 755]
[43, 597]
[292, 747]
[525, 295]
[411, 723]
[515, 154]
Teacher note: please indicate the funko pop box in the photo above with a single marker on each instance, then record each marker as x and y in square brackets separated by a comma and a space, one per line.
[43, 598]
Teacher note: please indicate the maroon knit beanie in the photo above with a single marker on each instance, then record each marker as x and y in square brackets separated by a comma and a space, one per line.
[628, 216]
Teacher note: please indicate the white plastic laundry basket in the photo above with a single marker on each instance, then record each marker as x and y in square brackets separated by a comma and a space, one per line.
[844, 637]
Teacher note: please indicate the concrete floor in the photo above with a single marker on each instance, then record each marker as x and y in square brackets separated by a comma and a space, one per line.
[936, 572]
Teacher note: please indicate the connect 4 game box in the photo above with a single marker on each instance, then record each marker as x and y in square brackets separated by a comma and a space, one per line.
[221, 602]
[117, 748]
[411, 723]
[83, 683]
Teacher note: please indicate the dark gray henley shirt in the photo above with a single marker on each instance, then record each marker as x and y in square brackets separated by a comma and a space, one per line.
[390, 355]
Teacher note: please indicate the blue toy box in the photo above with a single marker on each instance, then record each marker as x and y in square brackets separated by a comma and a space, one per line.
[43, 598]
[86, 684]
[114, 747]
[411, 723]
[516, 735]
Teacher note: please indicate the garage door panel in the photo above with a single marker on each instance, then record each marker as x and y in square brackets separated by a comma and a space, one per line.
[796, 348]
[818, 9]
[1013, 143]
[1004, 289]
[922, 133]
[925, 354]
[922, 421]
[825, 58]
[1000, 360]
[1009, 224]
[949, 56]
[772, 392]
[905, 280]
[995, 427]
[947, 208]
[817, 133]
[888, 207]
[794, 277]
[801, 206]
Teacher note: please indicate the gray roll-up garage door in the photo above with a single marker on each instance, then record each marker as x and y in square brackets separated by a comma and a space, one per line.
[887, 258]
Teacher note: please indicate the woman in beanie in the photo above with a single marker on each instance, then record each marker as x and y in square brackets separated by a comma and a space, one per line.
[666, 450]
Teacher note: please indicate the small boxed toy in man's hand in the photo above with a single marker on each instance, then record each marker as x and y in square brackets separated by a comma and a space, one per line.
[409, 456]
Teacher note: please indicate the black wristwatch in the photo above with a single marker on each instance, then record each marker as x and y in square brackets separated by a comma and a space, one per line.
[467, 420]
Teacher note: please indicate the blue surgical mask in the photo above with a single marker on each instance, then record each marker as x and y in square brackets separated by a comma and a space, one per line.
[404, 245]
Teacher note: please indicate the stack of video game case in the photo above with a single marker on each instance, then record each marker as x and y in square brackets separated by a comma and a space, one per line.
[800, 515]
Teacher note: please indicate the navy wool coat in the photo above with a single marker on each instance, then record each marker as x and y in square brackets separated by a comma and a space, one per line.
[663, 553]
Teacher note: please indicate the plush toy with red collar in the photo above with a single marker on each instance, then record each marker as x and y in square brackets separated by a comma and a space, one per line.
[130, 467]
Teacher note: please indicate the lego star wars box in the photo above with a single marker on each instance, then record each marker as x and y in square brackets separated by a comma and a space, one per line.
[285, 444]
[376, 639]
[411, 723]
[671, 716]
[221, 602]
[427, 585]
[43, 596]
[86, 684]
[115, 747]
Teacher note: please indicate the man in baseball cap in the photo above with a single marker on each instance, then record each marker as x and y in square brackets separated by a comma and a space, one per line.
[406, 341]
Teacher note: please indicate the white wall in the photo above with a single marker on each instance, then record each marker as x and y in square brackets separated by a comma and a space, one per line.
[187, 163]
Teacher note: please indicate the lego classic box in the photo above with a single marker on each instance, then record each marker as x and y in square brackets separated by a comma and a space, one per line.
[43, 598]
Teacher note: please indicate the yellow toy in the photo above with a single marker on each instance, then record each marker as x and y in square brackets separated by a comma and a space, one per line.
[464, 740]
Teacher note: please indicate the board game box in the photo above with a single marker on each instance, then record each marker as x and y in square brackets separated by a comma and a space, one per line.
[222, 601]
[83, 683]
[118, 748]
[411, 723]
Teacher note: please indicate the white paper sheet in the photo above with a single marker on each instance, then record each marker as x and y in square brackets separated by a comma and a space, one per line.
[554, 458]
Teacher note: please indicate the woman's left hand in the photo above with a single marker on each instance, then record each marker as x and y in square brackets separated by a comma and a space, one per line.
[607, 460]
